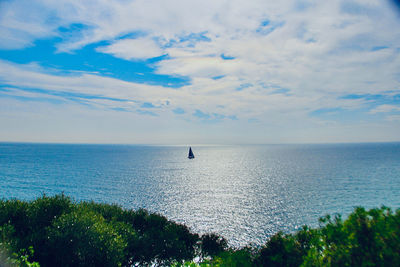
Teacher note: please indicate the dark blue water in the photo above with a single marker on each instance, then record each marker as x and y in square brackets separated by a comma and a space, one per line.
[245, 193]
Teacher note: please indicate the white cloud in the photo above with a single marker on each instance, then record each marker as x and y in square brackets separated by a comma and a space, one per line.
[204, 94]
[385, 109]
[23, 22]
[140, 48]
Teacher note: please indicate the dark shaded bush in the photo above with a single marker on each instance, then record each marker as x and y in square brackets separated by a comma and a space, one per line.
[41, 213]
[280, 250]
[30, 219]
[213, 244]
[15, 212]
[162, 240]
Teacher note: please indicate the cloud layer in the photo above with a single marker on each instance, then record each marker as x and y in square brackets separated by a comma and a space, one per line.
[287, 71]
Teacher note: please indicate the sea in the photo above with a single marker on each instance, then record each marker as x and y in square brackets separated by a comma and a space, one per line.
[245, 193]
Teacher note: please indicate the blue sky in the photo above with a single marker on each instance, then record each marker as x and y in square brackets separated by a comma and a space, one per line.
[208, 72]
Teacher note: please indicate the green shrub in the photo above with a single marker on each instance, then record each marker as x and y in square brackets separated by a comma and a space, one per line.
[365, 238]
[234, 258]
[15, 212]
[110, 212]
[30, 219]
[280, 250]
[213, 244]
[163, 241]
[64, 233]
[44, 210]
[8, 258]
[83, 238]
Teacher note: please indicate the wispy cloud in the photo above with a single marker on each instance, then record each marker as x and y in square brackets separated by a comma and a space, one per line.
[385, 109]
[133, 49]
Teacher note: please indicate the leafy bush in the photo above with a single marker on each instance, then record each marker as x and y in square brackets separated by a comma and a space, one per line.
[15, 213]
[88, 234]
[65, 233]
[366, 238]
[20, 259]
[163, 241]
[234, 258]
[280, 250]
[212, 244]
[83, 238]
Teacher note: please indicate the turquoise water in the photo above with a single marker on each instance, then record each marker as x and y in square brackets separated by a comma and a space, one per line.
[245, 193]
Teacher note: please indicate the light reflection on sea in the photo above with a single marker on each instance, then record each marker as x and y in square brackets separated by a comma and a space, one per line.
[245, 193]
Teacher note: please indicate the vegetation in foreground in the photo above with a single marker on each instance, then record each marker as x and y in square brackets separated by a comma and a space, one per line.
[55, 231]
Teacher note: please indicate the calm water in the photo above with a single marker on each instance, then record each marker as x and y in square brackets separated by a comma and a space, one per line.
[245, 193]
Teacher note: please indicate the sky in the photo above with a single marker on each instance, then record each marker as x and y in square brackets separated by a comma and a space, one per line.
[180, 72]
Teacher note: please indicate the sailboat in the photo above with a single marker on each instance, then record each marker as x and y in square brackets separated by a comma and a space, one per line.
[191, 155]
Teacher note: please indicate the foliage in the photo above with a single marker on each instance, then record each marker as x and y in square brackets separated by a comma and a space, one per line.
[65, 233]
[212, 244]
[92, 234]
[280, 250]
[366, 238]
[234, 258]
[84, 239]
[20, 259]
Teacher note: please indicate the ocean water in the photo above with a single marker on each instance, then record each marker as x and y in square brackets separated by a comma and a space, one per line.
[245, 193]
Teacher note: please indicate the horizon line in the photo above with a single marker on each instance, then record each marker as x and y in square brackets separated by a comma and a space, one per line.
[194, 144]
